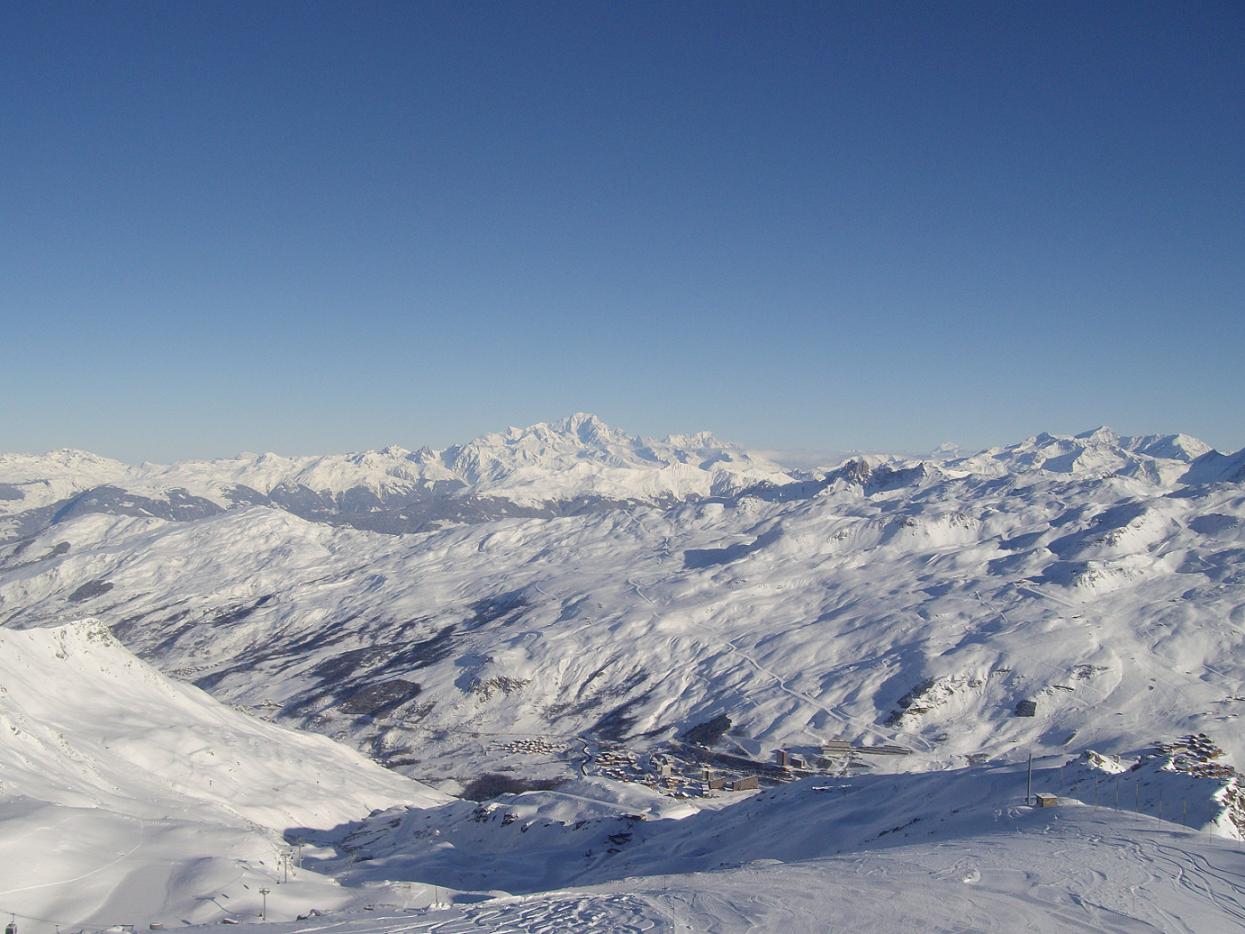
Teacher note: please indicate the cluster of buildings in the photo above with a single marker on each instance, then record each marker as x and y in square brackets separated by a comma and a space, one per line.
[699, 771]
[619, 765]
[533, 746]
[711, 779]
[834, 753]
[1196, 754]
[671, 774]
[693, 770]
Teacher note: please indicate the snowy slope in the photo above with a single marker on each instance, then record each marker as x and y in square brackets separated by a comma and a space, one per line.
[916, 603]
[29, 481]
[535, 841]
[1100, 452]
[126, 796]
[913, 606]
[933, 851]
[1094, 582]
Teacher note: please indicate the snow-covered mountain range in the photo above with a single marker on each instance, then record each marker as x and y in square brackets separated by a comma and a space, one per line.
[572, 465]
[534, 603]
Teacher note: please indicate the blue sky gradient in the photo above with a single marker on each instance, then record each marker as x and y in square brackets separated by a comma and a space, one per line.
[312, 227]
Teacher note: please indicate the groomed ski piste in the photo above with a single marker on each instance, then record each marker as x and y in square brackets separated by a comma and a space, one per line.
[633, 630]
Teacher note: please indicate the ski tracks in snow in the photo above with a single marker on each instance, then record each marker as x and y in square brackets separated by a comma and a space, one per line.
[540, 914]
[142, 830]
[808, 699]
[799, 696]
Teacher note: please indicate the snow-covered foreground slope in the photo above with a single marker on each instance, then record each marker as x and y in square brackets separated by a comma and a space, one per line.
[128, 797]
[1091, 872]
[933, 851]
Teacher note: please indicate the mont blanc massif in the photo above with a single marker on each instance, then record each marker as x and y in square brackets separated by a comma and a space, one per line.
[563, 678]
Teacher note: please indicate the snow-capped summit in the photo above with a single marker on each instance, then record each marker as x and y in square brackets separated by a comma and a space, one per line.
[1100, 435]
[1180, 447]
[543, 467]
[582, 456]
[1213, 467]
[588, 428]
[1099, 452]
[550, 468]
[946, 451]
[32, 481]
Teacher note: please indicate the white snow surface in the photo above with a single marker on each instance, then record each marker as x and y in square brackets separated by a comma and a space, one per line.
[572, 457]
[948, 851]
[1113, 600]
[126, 795]
[888, 601]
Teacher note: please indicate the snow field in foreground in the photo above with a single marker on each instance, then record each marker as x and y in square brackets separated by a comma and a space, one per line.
[129, 798]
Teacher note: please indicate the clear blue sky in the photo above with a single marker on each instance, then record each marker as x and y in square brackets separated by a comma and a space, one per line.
[314, 227]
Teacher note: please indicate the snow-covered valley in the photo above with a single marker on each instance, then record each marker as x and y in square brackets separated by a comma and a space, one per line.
[630, 628]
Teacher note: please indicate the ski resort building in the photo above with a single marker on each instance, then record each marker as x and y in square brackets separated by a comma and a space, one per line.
[787, 760]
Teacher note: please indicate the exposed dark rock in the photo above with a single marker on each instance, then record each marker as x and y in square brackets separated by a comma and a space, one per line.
[237, 614]
[178, 505]
[376, 700]
[709, 732]
[492, 609]
[490, 686]
[616, 724]
[490, 785]
[90, 589]
[925, 696]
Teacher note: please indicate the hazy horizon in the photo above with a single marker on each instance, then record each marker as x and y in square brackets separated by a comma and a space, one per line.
[801, 457]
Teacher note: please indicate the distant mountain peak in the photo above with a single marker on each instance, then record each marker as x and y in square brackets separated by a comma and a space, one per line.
[584, 424]
[1214, 467]
[577, 461]
[946, 451]
[700, 439]
[1100, 435]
